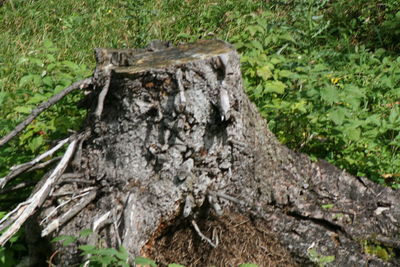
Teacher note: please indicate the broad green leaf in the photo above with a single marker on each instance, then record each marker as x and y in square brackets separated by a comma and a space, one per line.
[352, 133]
[2, 213]
[264, 72]
[71, 65]
[3, 96]
[50, 58]
[371, 134]
[36, 61]
[394, 115]
[276, 60]
[88, 249]
[286, 74]
[122, 254]
[374, 119]
[105, 260]
[312, 93]
[353, 95]
[329, 94]
[107, 251]
[257, 91]
[23, 109]
[287, 37]
[37, 81]
[35, 143]
[256, 44]
[275, 87]
[145, 262]
[48, 81]
[320, 68]
[354, 91]
[67, 239]
[51, 66]
[58, 89]
[175, 265]
[25, 80]
[337, 115]
[85, 233]
[37, 98]
[253, 29]
[248, 265]
[299, 106]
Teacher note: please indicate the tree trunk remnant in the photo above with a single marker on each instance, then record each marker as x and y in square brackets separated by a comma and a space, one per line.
[178, 161]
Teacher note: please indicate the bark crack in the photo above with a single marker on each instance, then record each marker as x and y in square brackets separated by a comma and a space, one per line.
[332, 227]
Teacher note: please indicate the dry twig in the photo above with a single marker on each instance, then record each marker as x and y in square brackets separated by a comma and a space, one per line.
[196, 227]
[69, 214]
[23, 212]
[18, 169]
[45, 105]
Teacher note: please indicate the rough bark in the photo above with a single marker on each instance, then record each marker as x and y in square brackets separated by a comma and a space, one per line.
[177, 140]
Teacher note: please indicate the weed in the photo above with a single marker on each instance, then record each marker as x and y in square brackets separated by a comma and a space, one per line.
[323, 73]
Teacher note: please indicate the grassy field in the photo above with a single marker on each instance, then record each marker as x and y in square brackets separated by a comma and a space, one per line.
[325, 74]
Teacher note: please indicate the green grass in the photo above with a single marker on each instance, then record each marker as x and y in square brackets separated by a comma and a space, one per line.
[46, 45]
[327, 89]
[325, 74]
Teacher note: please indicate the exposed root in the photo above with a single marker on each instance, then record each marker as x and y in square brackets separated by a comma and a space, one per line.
[201, 234]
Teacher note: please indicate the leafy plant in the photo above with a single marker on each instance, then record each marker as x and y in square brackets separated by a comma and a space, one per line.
[378, 250]
[97, 256]
[145, 262]
[335, 104]
[325, 74]
[10, 254]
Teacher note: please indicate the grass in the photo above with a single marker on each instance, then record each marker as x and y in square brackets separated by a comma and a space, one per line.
[46, 45]
[325, 74]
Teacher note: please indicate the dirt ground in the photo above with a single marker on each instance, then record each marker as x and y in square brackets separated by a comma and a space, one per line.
[240, 240]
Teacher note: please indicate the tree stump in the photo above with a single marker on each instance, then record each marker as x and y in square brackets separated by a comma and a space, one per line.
[182, 168]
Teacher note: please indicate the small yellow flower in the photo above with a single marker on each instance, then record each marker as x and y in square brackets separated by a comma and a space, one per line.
[109, 11]
[335, 80]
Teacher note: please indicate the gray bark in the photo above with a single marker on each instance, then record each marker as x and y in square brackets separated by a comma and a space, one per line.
[178, 141]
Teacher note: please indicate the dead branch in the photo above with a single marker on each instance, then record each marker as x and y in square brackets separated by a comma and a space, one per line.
[17, 187]
[37, 199]
[79, 195]
[45, 105]
[68, 215]
[44, 164]
[18, 169]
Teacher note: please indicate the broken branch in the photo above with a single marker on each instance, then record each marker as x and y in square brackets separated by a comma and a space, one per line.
[18, 169]
[38, 198]
[45, 105]
[68, 215]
